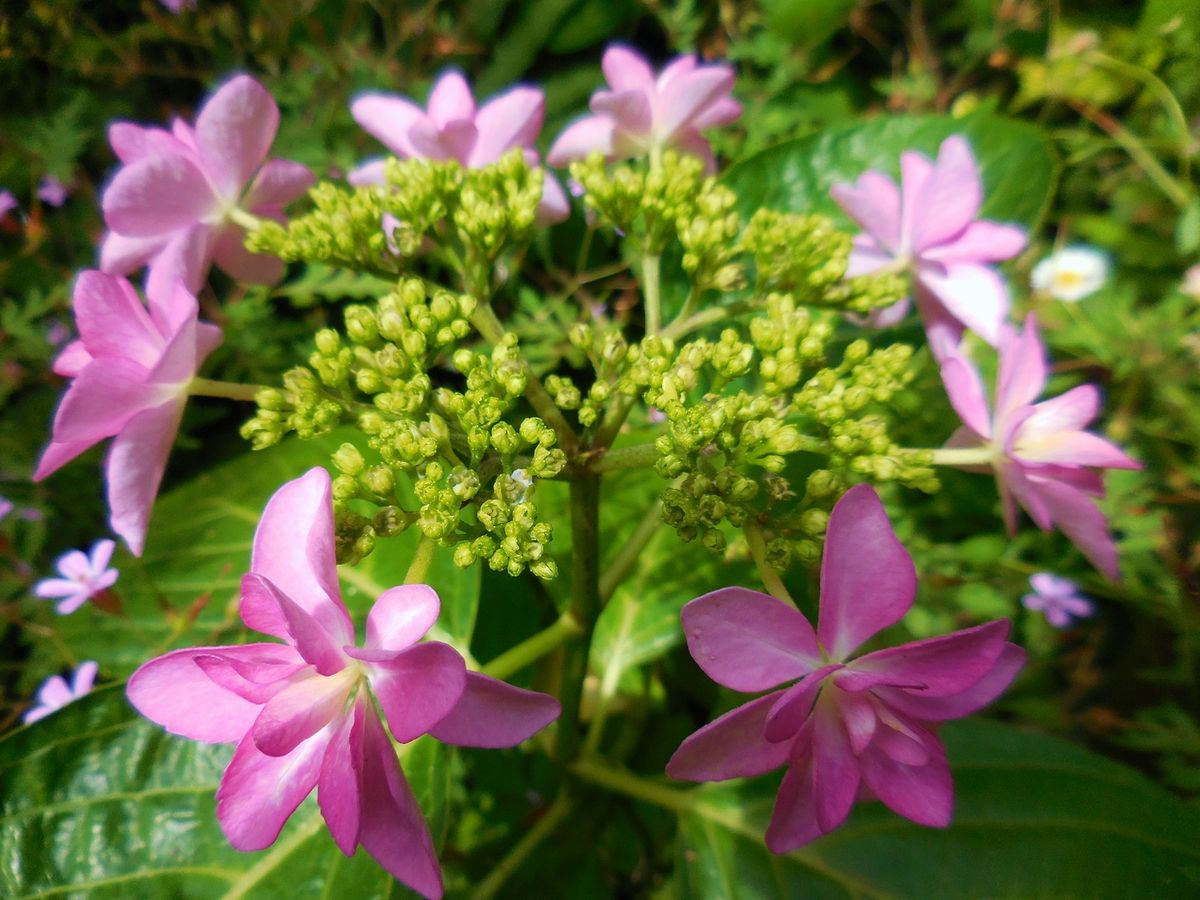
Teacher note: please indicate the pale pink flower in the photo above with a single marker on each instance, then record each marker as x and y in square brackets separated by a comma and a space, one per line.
[452, 128]
[301, 711]
[83, 576]
[6, 507]
[174, 201]
[1042, 457]
[55, 693]
[643, 114]
[846, 726]
[129, 372]
[928, 227]
[52, 191]
[1058, 599]
[8, 203]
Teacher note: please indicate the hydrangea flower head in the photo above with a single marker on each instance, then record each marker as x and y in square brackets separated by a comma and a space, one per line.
[52, 191]
[642, 113]
[844, 725]
[1071, 274]
[82, 577]
[170, 203]
[55, 692]
[1058, 599]
[129, 374]
[452, 127]
[301, 711]
[929, 226]
[1043, 458]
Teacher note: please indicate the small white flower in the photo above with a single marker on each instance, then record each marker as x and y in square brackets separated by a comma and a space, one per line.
[83, 577]
[523, 482]
[55, 693]
[1071, 274]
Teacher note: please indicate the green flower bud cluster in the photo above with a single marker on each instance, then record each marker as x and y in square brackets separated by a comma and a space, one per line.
[709, 236]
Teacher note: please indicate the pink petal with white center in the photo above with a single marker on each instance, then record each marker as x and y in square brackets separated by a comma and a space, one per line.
[749, 641]
[494, 714]
[58, 453]
[418, 687]
[924, 794]
[1075, 448]
[874, 203]
[102, 398]
[71, 361]
[937, 667]
[258, 793]
[120, 254]
[230, 253]
[234, 131]
[451, 100]
[915, 171]
[156, 195]
[186, 257]
[301, 710]
[995, 682]
[792, 710]
[340, 787]
[392, 828]
[1022, 372]
[511, 120]
[1071, 411]
[974, 295]
[980, 242]
[835, 768]
[630, 110]
[682, 98]
[794, 817]
[388, 119]
[1083, 522]
[867, 578]
[294, 549]
[175, 692]
[278, 183]
[302, 630]
[401, 616]
[732, 746]
[113, 321]
[134, 469]
[950, 198]
[625, 69]
[967, 395]
[581, 138]
[369, 174]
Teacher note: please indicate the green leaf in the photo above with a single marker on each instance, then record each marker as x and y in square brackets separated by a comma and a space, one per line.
[1187, 229]
[97, 802]
[1017, 164]
[1035, 817]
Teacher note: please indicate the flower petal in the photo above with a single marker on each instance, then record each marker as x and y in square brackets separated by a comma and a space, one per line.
[1071, 411]
[967, 395]
[794, 818]
[101, 399]
[113, 321]
[937, 709]
[874, 203]
[388, 118]
[512, 119]
[980, 242]
[867, 578]
[915, 170]
[793, 708]
[185, 257]
[835, 768]
[732, 746]
[301, 710]
[950, 198]
[120, 254]
[134, 469]
[234, 131]
[554, 206]
[682, 98]
[401, 616]
[1075, 448]
[372, 172]
[339, 786]
[302, 630]
[975, 295]
[629, 110]
[937, 667]
[923, 794]
[157, 194]
[492, 713]
[57, 454]
[278, 183]
[1083, 522]
[450, 100]
[582, 137]
[625, 69]
[1022, 372]
[748, 641]
[71, 360]
[418, 687]
[230, 253]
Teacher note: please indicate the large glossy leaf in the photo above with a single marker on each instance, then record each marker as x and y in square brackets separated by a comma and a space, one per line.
[1035, 817]
[97, 802]
[1017, 164]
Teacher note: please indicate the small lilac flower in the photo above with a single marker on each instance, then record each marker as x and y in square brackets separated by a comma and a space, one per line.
[1058, 599]
[1042, 457]
[175, 201]
[845, 725]
[8, 203]
[6, 506]
[129, 374]
[642, 114]
[178, 6]
[452, 128]
[301, 711]
[52, 191]
[83, 577]
[55, 693]
[928, 226]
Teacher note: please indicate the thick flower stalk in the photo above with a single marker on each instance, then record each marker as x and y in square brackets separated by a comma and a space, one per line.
[301, 711]
[182, 197]
[1043, 459]
[929, 227]
[845, 726]
[129, 370]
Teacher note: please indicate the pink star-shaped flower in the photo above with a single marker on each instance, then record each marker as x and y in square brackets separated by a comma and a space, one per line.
[83, 576]
[1058, 599]
[55, 692]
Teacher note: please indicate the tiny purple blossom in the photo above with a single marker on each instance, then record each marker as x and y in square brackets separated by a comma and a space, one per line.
[52, 191]
[58, 333]
[1058, 599]
[6, 506]
[301, 711]
[642, 113]
[83, 576]
[929, 227]
[1041, 455]
[843, 726]
[178, 6]
[55, 693]
[8, 202]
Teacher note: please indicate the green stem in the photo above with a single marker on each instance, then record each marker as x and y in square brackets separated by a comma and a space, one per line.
[534, 648]
[628, 555]
[249, 221]
[758, 549]
[613, 420]
[418, 569]
[651, 283]
[962, 456]
[632, 786]
[206, 387]
[639, 456]
[585, 606]
[681, 326]
[544, 827]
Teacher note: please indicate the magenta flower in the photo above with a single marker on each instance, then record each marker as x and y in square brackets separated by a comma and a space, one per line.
[1042, 457]
[8, 202]
[52, 191]
[928, 227]
[1058, 599]
[452, 128]
[6, 506]
[641, 114]
[83, 577]
[55, 693]
[175, 201]
[846, 725]
[129, 372]
[301, 711]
